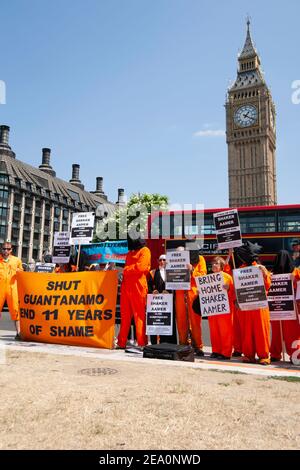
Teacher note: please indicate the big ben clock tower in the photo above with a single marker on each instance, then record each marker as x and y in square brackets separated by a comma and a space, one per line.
[251, 135]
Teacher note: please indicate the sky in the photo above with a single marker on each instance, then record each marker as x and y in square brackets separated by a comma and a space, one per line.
[125, 88]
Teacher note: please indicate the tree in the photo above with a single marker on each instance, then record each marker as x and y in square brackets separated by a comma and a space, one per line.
[132, 218]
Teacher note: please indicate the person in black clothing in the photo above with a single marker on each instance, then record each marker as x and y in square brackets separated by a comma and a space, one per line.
[157, 285]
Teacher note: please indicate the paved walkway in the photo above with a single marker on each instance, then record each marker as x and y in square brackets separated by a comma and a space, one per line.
[282, 369]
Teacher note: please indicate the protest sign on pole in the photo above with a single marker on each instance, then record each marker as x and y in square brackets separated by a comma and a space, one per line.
[178, 276]
[250, 288]
[82, 228]
[228, 230]
[212, 295]
[61, 248]
[159, 314]
[281, 298]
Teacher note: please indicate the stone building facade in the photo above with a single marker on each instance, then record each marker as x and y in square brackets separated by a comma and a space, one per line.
[34, 203]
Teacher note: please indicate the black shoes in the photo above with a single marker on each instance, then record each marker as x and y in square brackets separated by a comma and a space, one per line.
[236, 354]
[275, 359]
[224, 358]
[214, 355]
[199, 353]
[18, 337]
[219, 356]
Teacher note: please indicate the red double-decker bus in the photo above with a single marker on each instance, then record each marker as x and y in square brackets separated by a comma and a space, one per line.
[273, 227]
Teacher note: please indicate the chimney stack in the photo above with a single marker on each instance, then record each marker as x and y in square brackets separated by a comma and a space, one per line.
[4, 142]
[75, 176]
[121, 197]
[45, 166]
[99, 188]
[4, 135]
[99, 184]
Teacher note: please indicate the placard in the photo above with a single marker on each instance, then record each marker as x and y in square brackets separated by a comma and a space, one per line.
[281, 298]
[178, 275]
[212, 295]
[228, 231]
[44, 267]
[61, 248]
[250, 288]
[159, 314]
[82, 228]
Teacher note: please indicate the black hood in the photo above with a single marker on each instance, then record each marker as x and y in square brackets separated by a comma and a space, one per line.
[246, 254]
[135, 244]
[83, 261]
[283, 263]
[47, 258]
[194, 251]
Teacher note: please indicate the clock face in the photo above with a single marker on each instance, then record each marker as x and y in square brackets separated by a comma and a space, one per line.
[245, 116]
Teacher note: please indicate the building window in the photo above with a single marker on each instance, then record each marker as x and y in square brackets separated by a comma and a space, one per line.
[3, 178]
[3, 212]
[3, 194]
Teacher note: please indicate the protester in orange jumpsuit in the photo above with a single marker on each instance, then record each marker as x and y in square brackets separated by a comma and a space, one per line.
[9, 265]
[290, 328]
[134, 291]
[255, 324]
[237, 329]
[186, 318]
[221, 326]
[65, 268]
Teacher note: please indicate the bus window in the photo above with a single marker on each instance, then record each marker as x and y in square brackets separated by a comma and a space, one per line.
[176, 224]
[289, 221]
[254, 222]
[198, 224]
[209, 226]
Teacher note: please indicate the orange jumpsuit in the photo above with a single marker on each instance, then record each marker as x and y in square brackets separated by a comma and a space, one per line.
[221, 326]
[65, 269]
[290, 332]
[134, 291]
[8, 285]
[190, 320]
[255, 325]
[237, 329]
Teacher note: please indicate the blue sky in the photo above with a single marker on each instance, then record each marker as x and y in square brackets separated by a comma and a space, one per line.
[122, 87]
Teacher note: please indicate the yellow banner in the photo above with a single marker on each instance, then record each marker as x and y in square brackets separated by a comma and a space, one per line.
[74, 308]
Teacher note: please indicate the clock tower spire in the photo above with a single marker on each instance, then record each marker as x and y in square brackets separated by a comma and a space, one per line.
[251, 135]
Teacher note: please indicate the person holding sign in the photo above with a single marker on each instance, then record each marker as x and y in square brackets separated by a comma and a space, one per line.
[9, 265]
[255, 324]
[237, 330]
[157, 285]
[186, 318]
[220, 326]
[134, 291]
[290, 328]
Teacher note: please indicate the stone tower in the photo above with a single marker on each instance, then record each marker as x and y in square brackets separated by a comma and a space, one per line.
[250, 134]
